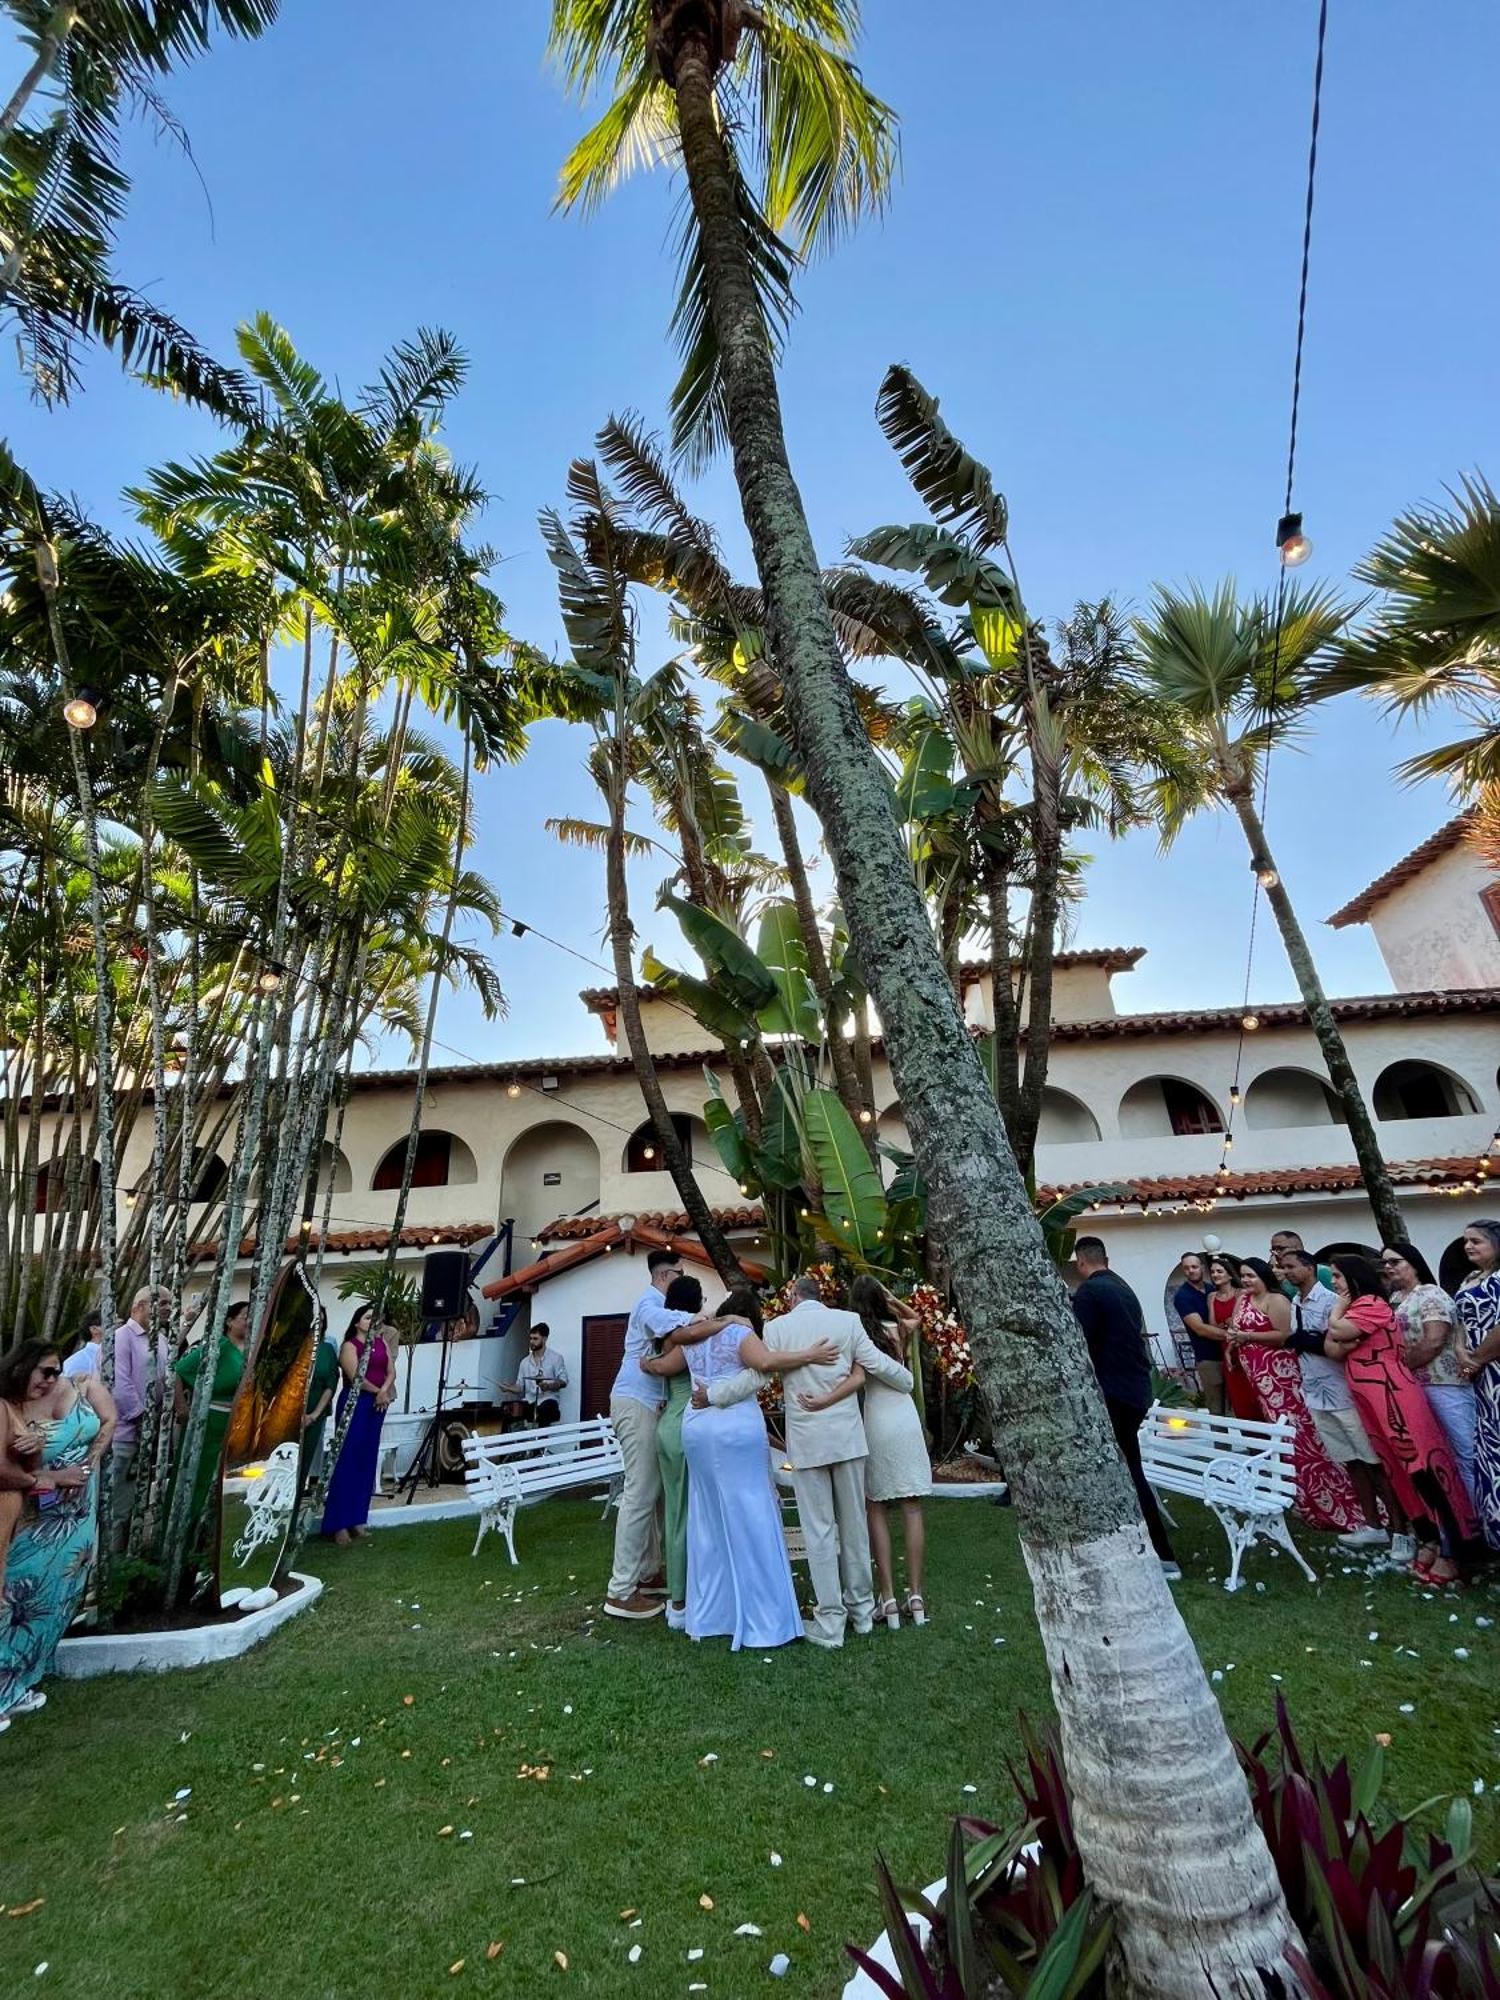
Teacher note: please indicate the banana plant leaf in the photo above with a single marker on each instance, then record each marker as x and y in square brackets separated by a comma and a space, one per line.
[925, 788]
[853, 1199]
[717, 1012]
[739, 973]
[779, 947]
[759, 744]
[778, 1160]
[1057, 1221]
[727, 1130]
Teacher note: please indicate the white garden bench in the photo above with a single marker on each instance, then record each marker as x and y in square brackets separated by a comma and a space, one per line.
[500, 1472]
[1242, 1470]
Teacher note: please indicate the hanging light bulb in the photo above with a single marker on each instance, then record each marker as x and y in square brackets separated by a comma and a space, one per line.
[513, 1090]
[81, 709]
[1234, 1093]
[1295, 547]
[1250, 1022]
[1265, 874]
[648, 1152]
[866, 1117]
[268, 979]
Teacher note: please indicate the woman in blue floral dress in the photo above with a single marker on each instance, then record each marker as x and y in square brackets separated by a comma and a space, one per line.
[1477, 1301]
[53, 1549]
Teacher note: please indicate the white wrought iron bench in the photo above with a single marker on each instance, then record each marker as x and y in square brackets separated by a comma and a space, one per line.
[501, 1472]
[1239, 1469]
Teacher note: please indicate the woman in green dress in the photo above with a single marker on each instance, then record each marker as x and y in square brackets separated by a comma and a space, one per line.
[321, 1383]
[228, 1371]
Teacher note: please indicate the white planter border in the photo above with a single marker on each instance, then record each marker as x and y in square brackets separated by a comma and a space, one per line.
[95, 1653]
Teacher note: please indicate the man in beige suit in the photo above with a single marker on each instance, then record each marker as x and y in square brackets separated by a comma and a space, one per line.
[827, 1452]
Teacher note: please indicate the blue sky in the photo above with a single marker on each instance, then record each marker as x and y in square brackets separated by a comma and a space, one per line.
[1091, 257]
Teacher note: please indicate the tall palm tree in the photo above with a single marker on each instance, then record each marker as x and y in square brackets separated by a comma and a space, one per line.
[1162, 1812]
[1237, 679]
[600, 685]
[63, 189]
[1434, 638]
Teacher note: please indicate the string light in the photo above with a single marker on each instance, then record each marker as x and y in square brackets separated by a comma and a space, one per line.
[1295, 547]
[81, 709]
[269, 978]
[1250, 1023]
[513, 1090]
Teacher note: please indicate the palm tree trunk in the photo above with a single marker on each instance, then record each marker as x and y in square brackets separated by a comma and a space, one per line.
[48, 49]
[1003, 996]
[622, 943]
[1046, 840]
[1379, 1188]
[1161, 1809]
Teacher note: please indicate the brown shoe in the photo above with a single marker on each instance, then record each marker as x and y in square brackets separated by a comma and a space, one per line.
[653, 1586]
[634, 1606]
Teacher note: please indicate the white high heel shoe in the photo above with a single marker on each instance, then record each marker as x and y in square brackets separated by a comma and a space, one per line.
[890, 1611]
[916, 1610]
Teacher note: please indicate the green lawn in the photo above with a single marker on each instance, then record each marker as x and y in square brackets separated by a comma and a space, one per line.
[311, 1858]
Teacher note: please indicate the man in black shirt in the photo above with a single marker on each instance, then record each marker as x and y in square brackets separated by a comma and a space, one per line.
[1115, 1328]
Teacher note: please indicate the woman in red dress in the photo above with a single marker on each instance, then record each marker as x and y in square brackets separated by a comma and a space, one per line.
[1400, 1421]
[1258, 1330]
[1223, 1299]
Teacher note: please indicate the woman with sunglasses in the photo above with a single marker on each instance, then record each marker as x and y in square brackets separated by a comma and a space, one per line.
[73, 1417]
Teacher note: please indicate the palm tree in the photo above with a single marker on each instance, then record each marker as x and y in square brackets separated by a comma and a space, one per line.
[600, 685]
[1435, 635]
[1235, 679]
[1162, 1815]
[64, 190]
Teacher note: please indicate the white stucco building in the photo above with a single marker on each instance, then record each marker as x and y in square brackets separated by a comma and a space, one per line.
[556, 1147]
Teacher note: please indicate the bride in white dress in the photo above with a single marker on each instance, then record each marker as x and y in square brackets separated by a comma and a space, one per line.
[739, 1580]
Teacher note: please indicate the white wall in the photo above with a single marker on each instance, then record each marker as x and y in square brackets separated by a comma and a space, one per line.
[1434, 933]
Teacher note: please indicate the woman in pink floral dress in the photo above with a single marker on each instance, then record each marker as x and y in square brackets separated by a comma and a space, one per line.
[1258, 1330]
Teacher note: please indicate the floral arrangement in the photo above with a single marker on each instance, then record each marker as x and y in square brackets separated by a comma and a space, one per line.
[943, 1335]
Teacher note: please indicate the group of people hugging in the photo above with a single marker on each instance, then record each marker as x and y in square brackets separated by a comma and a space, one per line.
[700, 1532]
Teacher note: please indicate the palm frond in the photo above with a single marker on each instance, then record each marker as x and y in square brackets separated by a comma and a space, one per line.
[955, 487]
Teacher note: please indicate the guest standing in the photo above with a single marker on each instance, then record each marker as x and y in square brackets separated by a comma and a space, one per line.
[52, 1552]
[1330, 1402]
[1115, 1328]
[141, 1368]
[1478, 1304]
[87, 1354]
[352, 1487]
[739, 1580]
[229, 1370]
[897, 1468]
[1260, 1328]
[1190, 1302]
[1434, 1345]
[1240, 1399]
[1400, 1421]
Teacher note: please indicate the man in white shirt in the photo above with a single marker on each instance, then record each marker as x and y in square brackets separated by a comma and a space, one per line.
[1330, 1402]
[637, 1587]
[88, 1358]
[827, 1451]
[541, 1375]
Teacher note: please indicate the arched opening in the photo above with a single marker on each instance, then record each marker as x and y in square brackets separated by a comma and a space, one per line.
[443, 1160]
[643, 1154]
[55, 1201]
[551, 1170]
[1279, 1099]
[211, 1175]
[1421, 1090]
[1066, 1120]
[1453, 1266]
[336, 1161]
[1166, 1107]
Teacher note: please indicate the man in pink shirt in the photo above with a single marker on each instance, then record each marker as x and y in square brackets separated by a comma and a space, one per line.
[138, 1378]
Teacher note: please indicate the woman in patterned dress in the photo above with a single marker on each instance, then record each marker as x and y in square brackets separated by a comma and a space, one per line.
[1399, 1420]
[1477, 1301]
[1434, 1345]
[1258, 1330]
[53, 1549]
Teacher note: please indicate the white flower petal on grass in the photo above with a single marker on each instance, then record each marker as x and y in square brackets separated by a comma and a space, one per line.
[1408, 1708]
[749, 1930]
[810, 1781]
[633, 1956]
[695, 1954]
[780, 1966]
[775, 1859]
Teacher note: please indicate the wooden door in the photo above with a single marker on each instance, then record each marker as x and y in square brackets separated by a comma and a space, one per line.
[603, 1347]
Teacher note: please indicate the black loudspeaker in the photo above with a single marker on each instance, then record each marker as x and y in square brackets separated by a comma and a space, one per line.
[445, 1284]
